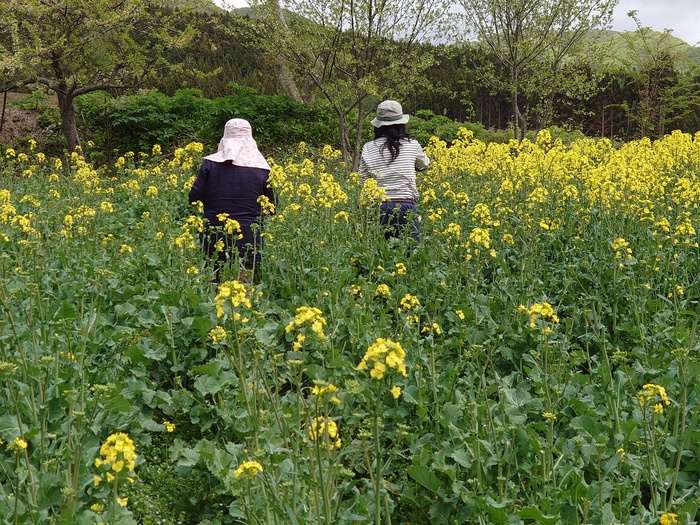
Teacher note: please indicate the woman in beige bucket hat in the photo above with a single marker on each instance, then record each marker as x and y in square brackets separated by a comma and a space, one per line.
[393, 158]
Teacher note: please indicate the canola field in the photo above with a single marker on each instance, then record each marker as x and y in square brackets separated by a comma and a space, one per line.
[533, 360]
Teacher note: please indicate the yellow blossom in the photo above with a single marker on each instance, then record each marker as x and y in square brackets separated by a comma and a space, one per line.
[384, 354]
[325, 430]
[409, 302]
[539, 310]
[382, 289]
[248, 468]
[668, 518]
[306, 315]
[217, 334]
[117, 453]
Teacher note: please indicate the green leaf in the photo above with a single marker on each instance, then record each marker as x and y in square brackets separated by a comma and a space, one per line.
[8, 427]
[533, 513]
[425, 477]
[462, 457]
[497, 511]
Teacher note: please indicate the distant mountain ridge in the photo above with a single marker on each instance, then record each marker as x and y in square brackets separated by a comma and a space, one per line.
[627, 46]
[622, 44]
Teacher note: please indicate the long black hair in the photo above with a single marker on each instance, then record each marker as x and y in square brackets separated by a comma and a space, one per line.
[393, 134]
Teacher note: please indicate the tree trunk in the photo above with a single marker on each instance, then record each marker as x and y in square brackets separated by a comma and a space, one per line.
[358, 137]
[514, 101]
[344, 136]
[516, 113]
[284, 77]
[70, 129]
[286, 82]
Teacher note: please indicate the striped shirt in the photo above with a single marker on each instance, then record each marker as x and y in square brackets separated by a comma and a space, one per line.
[398, 178]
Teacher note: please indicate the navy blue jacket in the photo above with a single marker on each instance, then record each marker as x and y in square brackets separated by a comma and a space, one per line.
[226, 188]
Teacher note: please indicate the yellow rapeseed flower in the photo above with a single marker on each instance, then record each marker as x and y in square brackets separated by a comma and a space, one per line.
[248, 468]
[652, 392]
[117, 453]
[307, 315]
[539, 310]
[217, 334]
[326, 430]
[231, 295]
[384, 354]
[382, 289]
[409, 302]
[668, 518]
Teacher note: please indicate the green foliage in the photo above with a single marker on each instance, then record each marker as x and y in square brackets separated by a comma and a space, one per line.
[546, 317]
[427, 124]
[85, 45]
[136, 122]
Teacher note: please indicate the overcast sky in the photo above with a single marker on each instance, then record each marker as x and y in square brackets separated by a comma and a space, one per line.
[683, 16]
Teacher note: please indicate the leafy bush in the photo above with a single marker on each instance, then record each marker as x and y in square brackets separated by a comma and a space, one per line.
[427, 124]
[137, 122]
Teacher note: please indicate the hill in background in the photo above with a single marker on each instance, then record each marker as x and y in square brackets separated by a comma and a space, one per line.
[632, 47]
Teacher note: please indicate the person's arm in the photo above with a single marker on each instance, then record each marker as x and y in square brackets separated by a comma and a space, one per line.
[422, 160]
[198, 189]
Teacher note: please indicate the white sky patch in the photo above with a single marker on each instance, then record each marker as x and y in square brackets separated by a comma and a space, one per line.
[682, 16]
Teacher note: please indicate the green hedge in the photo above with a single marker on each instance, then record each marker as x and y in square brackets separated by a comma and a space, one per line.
[136, 122]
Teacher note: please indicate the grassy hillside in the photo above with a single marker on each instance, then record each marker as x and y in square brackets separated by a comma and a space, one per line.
[633, 47]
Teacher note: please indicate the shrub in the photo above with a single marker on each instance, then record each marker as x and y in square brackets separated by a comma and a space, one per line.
[136, 122]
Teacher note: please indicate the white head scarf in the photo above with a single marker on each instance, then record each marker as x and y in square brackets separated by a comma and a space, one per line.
[239, 146]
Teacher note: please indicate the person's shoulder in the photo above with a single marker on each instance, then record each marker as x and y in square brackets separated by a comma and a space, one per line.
[371, 145]
[250, 170]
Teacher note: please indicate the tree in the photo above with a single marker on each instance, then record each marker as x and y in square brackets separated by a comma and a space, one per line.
[73, 47]
[531, 40]
[354, 51]
[662, 97]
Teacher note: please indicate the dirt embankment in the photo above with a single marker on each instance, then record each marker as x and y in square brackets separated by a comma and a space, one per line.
[20, 124]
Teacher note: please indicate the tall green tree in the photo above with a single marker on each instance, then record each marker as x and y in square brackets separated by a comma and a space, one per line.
[531, 40]
[355, 52]
[73, 47]
[664, 96]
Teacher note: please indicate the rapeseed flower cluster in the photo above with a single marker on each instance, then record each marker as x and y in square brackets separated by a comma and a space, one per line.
[371, 193]
[230, 296]
[400, 269]
[650, 393]
[621, 248]
[668, 518]
[383, 355]
[17, 445]
[311, 316]
[217, 334]
[118, 454]
[249, 469]
[326, 391]
[329, 192]
[382, 290]
[539, 311]
[480, 237]
[325, 429]
[409, 302]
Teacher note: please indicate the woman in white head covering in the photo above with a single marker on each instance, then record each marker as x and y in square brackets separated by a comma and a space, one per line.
[393, 158]
[229, 184]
